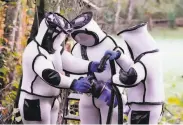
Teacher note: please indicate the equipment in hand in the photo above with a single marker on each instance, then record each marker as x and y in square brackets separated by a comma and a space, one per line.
[81, 85]
[108, 92]
[96, 67]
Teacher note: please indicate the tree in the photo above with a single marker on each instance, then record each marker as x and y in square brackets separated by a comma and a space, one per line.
[117, 15]
[130, 10]
[38, 16]
[12, 13]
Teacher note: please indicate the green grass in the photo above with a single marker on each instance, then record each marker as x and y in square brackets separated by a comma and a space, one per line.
[172, 54]
[173, 84]
[170, 42]
[167, 33]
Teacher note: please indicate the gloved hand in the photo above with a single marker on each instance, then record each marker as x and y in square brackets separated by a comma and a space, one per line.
[106, 95]
[114, 54]
[94, 65]
[81, 85]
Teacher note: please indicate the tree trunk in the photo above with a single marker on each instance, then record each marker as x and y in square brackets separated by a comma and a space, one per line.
[38, 16]
[43, 6]
[150, 22]
[130, 10]
[19, 33]
[117, 15]
[52, 6]
[11, 22]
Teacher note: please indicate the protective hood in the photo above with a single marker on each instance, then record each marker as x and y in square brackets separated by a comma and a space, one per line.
[138, 39]
[86, 31]
[52, 31]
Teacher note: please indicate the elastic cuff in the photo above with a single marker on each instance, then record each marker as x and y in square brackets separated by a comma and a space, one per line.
[120, 50]
[89, 67]
[80, 78]
[119, 55]
[72, 84]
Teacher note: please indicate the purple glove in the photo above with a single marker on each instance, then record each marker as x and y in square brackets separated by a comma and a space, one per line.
[106, 95]
[114, 54]
[94, 65]
[82, 85]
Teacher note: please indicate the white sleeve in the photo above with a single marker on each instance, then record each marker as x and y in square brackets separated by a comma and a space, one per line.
[140, 70]
[140, 75]
[41, 64]
[125, 62]
[74, 65]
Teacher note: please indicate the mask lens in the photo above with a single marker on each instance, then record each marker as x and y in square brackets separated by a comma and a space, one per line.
[84, 39]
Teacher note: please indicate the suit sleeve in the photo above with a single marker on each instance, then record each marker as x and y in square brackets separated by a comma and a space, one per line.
[45, 70]
[130, 73]
[124, 61]
[132, 77]
[74, 65]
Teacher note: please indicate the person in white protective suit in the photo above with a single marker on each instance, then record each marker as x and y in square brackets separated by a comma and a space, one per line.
[43, 61]
[142, 74]
[91, 44]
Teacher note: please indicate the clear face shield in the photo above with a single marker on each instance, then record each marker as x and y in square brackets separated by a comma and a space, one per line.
[82, 35]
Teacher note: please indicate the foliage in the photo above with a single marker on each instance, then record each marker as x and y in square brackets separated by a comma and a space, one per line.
[10, 61]
[173, 110]
[167, 33]
[11, 73]
[153, 8]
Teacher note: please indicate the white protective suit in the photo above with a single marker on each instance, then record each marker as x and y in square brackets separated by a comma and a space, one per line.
[142, 74]
[91, 45]
[42, 78]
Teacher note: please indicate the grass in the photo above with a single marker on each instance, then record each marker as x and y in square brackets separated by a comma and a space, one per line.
[170, 42]
[167, 33]
[173, 84]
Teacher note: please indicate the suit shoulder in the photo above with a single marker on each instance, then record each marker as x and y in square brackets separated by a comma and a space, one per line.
[76, 48]
[31, 51]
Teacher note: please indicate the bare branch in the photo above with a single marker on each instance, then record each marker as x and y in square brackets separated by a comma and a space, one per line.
[18, 7]
[92, 5]
[117, 14]
[130, 10]
[5, 88]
